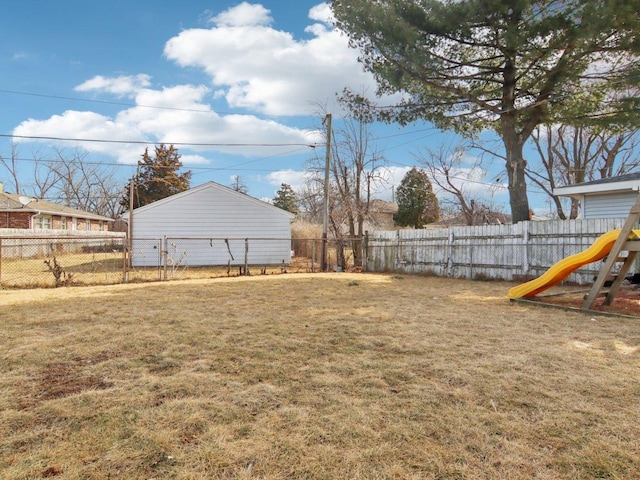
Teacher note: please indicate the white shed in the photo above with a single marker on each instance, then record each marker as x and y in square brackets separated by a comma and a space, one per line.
[210, 225]
[606, 198]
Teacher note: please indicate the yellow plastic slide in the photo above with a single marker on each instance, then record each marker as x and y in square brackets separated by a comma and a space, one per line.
[561, 270]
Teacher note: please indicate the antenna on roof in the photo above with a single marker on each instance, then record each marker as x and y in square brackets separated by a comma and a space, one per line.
[24, 200]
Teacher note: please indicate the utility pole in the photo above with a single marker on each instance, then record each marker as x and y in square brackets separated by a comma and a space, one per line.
[325, 223]
[130, 246]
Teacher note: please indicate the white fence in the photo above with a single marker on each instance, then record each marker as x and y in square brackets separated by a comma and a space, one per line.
[507, 252]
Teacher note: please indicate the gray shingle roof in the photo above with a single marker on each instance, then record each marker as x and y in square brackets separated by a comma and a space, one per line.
[13, 202]
[620, 178]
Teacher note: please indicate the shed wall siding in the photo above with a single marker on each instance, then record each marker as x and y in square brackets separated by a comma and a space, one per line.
[612, 205]
[216, 214]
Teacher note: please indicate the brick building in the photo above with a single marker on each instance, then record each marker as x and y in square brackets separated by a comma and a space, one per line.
[21, 212]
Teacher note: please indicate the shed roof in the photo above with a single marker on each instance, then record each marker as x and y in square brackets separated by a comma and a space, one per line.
[627, 182]
[229, 191]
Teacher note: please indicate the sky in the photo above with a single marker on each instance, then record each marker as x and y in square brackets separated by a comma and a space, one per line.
[240, 88]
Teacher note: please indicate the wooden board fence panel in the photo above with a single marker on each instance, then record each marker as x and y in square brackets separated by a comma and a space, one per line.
[507, 252]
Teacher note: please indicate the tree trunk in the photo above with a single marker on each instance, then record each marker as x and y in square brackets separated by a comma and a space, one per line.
[515, 165]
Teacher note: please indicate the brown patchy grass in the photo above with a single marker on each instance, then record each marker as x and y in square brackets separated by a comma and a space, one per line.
[313, 376]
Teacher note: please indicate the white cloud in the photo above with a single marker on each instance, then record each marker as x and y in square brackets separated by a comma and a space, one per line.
[125, 85]
[268, 70]
[194, 160]
[295, 178]
[183, 117]
[322, 13]
[243, 14]
[87, 125]
[252, 66]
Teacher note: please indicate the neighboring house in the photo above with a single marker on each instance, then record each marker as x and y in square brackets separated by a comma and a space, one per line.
[606, 198]
[22, 212]
[208, 225]
[381, 215]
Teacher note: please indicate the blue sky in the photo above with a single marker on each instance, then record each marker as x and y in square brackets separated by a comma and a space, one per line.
[196, 72]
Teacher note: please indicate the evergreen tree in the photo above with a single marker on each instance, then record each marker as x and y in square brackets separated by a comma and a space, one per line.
[157, 177]
[509, 66]
[417, 204]
[286, 199]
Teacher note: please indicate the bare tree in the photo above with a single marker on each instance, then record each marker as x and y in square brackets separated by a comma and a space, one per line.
[85, 185]
[569, 155]
[43, 180]
[11, 166]
[310, 200]
[355, 172]
[238, 184]
[449, 168]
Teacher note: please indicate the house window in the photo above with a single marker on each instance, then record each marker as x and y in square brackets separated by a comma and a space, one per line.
[88, 227]
[63, 223]
[75, 224]
[101, 224]
[43, 222]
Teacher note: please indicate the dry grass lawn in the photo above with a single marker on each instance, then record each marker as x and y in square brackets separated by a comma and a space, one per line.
[326, 376]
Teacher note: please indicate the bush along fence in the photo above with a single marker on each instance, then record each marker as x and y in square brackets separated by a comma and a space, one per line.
[504, 252]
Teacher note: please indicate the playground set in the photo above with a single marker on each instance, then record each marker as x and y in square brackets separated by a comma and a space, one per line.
[611, 247]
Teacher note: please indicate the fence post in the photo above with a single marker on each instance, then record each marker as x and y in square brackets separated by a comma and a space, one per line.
[246, 256]
[365, 251]
[525, 243]
[396, 266]
[450, 259]
[125, 259]
[164, 255]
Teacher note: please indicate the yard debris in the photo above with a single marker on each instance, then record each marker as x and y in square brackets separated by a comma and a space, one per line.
[62, 278]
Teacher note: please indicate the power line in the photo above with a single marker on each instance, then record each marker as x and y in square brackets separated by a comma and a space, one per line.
[200, 169]
[142, 142]
[107, 102]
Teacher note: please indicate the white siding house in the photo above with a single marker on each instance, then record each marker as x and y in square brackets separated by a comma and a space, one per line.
[211, 225]
[606, 198]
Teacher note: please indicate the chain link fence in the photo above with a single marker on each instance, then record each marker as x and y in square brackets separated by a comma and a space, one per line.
[47, 261]
[29, 262]
[199, 257]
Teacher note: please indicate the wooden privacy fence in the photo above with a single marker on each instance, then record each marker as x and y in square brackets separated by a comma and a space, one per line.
[506, 252]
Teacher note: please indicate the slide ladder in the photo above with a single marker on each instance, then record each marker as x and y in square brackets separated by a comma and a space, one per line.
[622, 244]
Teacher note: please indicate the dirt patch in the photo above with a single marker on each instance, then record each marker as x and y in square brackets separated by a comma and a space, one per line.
[59, 380]
[626, 301]
[62, 379]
